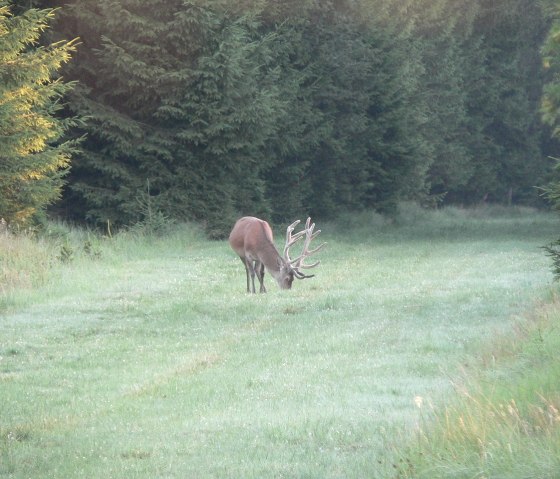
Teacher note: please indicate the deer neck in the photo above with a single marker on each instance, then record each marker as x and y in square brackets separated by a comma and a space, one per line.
[271, 259]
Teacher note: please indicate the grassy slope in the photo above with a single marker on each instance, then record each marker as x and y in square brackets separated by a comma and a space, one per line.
[151, 361]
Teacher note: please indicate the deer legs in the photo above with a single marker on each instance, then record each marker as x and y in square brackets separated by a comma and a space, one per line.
[252, 268]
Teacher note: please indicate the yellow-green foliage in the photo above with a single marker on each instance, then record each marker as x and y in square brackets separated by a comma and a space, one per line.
[32, 165]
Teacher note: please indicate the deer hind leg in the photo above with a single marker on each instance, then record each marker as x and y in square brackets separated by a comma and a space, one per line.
[259, 269]
[250, 270]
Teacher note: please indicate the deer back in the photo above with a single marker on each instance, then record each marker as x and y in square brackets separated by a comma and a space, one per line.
[252, 238]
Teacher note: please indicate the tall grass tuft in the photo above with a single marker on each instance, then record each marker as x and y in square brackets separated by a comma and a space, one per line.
[24, 261]
[504, 421]
[31, 259]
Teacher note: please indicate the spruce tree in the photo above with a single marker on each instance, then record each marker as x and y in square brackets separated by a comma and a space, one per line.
[442, 31]
[503, 86]
[33, 159]
[550, 109]
[550, 102]
[177, 94]
[281, 109]
[351, 137]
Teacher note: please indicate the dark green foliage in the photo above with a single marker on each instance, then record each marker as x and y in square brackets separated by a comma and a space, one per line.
[374, 154]
[550, 109]
[447, 49]
[551, 58]
[282, 109]
[553, 251]
[181, 99]
[349, 138]
[507, 158]
[481, 82]
[229, 115]
[33, 160]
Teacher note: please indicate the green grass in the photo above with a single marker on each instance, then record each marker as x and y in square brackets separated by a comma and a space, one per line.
[144, 357]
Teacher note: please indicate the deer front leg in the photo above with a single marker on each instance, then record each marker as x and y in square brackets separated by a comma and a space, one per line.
[259, 269]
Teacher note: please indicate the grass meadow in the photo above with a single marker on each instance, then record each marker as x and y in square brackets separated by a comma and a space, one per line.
[427, 346]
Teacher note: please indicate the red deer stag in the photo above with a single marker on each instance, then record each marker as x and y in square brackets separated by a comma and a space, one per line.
[251, 238]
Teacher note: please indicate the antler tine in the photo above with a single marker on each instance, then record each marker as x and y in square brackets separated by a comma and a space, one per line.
[309, 253]
[293, 225]
[292, 239]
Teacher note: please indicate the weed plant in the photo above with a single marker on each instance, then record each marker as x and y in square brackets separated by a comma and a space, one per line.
[148, 359]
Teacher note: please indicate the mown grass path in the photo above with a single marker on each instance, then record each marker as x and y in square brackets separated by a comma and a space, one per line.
[151, 361]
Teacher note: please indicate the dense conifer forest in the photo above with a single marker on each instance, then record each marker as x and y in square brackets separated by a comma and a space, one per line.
[206, 110]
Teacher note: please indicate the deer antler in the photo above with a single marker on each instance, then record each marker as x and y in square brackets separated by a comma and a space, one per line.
[291, 240]
[297, 263]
